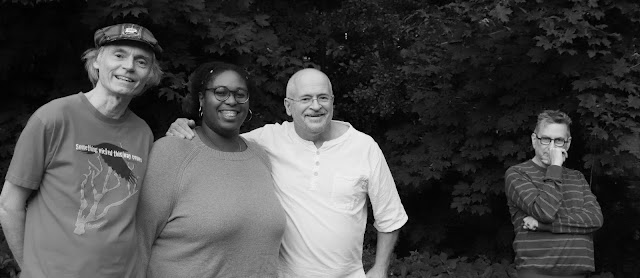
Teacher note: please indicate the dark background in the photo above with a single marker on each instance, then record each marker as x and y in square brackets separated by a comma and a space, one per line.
[449, 90]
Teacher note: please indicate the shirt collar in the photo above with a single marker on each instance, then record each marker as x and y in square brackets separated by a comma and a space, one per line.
[291, 132]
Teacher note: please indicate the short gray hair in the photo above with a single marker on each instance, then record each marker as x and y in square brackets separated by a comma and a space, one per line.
[553, 117]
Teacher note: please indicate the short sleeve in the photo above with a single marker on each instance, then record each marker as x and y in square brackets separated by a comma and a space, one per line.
[388, 210]
[30, 156]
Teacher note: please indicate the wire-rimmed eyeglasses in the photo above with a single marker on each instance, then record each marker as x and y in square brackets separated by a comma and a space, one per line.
[306, 100]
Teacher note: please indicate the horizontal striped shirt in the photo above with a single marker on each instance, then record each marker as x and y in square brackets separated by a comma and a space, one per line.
[567, 211]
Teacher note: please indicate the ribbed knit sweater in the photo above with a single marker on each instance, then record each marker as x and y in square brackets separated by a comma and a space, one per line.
[568, 213]
[207, 213]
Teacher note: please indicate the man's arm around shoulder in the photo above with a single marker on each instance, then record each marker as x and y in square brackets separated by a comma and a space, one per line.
[13, 201]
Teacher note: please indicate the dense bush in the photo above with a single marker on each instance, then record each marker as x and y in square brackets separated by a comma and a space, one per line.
[421, 265]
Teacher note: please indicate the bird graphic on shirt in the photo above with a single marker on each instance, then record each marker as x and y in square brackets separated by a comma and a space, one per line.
[118, 164]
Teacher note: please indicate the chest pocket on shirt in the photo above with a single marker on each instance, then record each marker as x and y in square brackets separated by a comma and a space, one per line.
[348, 191]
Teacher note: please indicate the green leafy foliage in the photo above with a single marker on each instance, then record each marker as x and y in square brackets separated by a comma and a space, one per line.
[448, 88]
[424, 264]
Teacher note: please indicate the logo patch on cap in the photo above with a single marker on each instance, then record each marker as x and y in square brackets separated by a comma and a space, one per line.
[131, 31]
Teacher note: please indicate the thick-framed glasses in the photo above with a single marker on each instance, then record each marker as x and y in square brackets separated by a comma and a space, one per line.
[222, 93]
[306, 100]
[558, 142]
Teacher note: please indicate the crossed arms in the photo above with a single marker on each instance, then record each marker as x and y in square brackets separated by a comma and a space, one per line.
[553, 204]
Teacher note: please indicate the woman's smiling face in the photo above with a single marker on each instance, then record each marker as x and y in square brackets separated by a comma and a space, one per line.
[224, 117]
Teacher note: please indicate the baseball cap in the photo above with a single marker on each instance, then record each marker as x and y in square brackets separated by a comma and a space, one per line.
[126, 31]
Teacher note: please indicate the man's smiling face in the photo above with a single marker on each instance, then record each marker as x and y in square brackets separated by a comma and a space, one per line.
[123, 69]
[311, 119]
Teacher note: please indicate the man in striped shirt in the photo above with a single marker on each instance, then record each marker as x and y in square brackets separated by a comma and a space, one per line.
[553, 211]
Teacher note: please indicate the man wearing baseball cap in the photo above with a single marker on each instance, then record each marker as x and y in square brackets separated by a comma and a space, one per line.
[68, 202]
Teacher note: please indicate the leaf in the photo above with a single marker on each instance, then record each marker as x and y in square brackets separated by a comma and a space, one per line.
[244, 4]
[631, 143]
[477, 198]
[582, 85]
[443, 256]
[620, 68]
[501, 13]
[543, 42]
[122, 3]
[573, 16]
[537, 55]
[261, 20]
[599, 133]
[169, 93]
[461, 189]
[634, 102]
[263, 60]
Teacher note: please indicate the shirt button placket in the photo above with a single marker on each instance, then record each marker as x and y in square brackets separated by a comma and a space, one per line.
[316, 171]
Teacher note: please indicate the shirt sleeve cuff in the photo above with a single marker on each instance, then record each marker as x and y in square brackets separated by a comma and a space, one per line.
[554, 172]
[392, 227]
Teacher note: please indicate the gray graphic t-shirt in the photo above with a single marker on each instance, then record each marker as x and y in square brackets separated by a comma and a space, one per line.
[86, 170]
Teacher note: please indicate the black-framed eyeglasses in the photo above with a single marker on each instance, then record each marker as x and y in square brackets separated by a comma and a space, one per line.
[306, 100]
[222, 93]
[558, 142]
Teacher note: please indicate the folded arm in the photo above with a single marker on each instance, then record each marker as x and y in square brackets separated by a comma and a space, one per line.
[577, 220]
[541, 202]
[580, 220]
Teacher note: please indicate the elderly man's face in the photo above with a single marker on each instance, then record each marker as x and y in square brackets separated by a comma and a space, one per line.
[123, 69]
[313, 118]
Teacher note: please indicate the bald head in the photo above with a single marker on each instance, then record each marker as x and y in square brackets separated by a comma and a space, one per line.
[307, 77]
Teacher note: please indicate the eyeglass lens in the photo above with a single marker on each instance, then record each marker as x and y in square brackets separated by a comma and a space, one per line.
[223, 93]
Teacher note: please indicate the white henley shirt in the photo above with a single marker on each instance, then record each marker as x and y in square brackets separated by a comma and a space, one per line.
[323, 192]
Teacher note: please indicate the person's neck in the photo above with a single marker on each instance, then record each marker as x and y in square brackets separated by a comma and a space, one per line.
[111, 105]
[333, 131]
[222, 142]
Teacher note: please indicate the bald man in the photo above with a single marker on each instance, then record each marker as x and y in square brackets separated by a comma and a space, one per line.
[323, 171]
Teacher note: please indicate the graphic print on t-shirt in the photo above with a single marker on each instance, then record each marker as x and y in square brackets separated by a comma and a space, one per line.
[108, 182]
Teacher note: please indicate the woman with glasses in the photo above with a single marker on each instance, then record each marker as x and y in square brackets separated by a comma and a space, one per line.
[207, 206]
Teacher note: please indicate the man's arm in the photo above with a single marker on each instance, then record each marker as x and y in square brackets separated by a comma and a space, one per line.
[384, 249]
[577, 220]
[540, 203]
[580, 220]
[388, 211]
[13, 201]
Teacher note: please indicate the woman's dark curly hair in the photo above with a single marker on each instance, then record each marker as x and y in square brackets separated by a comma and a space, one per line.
[199, 79]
